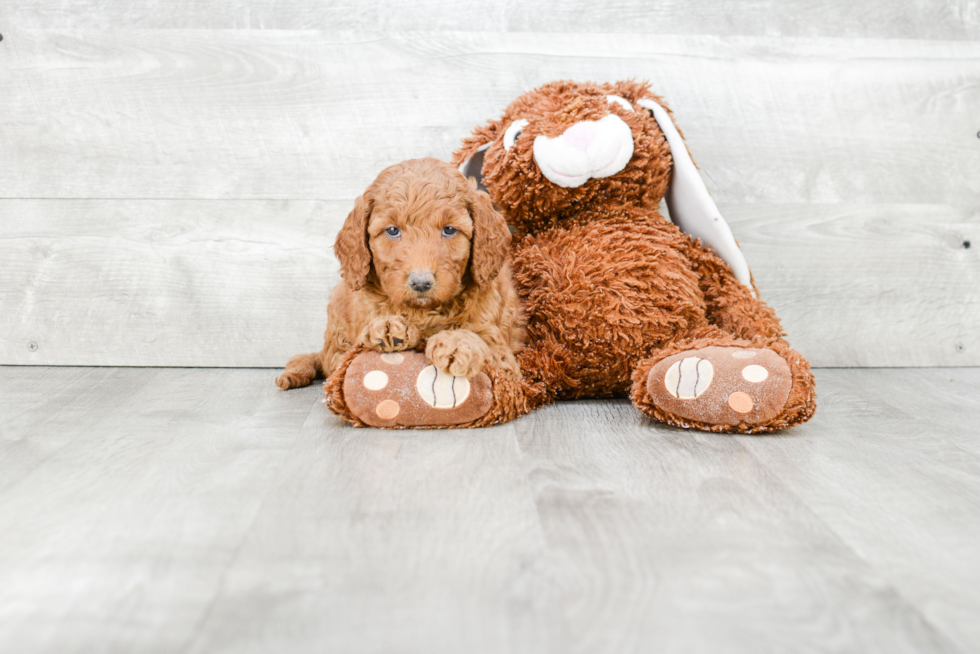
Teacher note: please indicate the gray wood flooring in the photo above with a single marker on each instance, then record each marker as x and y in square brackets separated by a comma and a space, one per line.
[182, 510]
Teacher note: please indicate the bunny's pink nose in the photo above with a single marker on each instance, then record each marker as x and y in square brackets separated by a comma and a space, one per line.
[580, 135]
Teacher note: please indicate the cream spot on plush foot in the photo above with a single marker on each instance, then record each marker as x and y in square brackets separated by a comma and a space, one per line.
[440, 389]
[393, 358]
[740, 402]
[743, 354]
[387, 410]
[689, 378]
[755, 374]
[375, 380]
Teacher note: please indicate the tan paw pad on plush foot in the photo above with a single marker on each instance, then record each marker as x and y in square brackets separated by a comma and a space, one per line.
[401, 389]
[722, 385]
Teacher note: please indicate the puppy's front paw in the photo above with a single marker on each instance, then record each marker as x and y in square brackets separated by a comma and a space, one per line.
[459, 352]
[390, 334]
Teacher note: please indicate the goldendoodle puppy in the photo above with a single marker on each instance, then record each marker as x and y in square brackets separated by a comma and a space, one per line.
[423, 257]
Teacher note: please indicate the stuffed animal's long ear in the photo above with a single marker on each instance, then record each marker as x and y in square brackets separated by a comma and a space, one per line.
[351, 246]
[472, 167]
[469, 156]
[691, 207]
[491, 238]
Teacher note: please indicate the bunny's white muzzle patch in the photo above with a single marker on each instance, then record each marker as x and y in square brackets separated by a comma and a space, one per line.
[586, 150]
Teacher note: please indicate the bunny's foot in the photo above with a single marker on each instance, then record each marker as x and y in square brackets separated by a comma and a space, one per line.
[404, 390]
[727, 388]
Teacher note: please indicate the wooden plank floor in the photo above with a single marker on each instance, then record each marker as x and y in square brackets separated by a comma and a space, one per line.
[201, 510]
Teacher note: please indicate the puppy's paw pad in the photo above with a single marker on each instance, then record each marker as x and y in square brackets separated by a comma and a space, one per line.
[403, 389]
[724, 386]
[455, 355]
[391, 334]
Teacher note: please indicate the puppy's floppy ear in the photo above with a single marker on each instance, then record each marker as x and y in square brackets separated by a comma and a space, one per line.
[351, 246]
[491, 238]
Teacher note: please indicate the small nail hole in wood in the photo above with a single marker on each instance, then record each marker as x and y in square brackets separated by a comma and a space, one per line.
[966, 245]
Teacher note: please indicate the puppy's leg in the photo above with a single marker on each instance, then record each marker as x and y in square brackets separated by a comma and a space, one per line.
[459, 352]
[390, 334]
[300, 371]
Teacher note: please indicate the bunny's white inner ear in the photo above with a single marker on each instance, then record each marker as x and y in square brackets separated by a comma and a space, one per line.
[473, 167]
[691, 207]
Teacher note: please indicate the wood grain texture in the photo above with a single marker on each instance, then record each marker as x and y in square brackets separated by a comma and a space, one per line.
[125, 531]
[889, 285]
[882, 446]
[205, 511]
[165, 282]
[44, 409]
[845, 165]
[385, 541]
[315, 115]
[836, 18]
[684, 540]
[245, 283]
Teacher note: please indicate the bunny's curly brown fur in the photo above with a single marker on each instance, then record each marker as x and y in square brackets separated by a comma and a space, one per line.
[610, 286]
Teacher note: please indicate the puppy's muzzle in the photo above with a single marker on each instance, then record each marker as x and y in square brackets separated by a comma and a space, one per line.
[421, 281]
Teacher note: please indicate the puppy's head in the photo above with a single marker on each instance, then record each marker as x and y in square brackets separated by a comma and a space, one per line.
[422, 233]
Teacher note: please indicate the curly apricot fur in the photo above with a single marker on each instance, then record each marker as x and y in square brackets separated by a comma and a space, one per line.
[375, 305]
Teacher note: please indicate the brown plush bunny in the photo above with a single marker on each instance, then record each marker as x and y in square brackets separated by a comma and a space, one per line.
[620, 300]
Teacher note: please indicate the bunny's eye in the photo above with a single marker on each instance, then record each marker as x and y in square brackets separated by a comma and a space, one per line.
[622, 102]
[510, 136]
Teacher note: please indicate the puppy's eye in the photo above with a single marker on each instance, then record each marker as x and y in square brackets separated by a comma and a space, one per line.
[622, 102]
[449, 230]
[393, 232]
[515, 129]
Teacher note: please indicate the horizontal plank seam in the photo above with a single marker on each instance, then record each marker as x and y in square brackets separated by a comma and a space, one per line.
[56, 366]
[180, 199]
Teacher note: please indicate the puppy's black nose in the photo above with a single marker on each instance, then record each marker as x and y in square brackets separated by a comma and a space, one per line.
[421, 280]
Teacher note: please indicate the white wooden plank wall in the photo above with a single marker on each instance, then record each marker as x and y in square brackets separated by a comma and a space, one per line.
[171, 186]
[918, 19]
